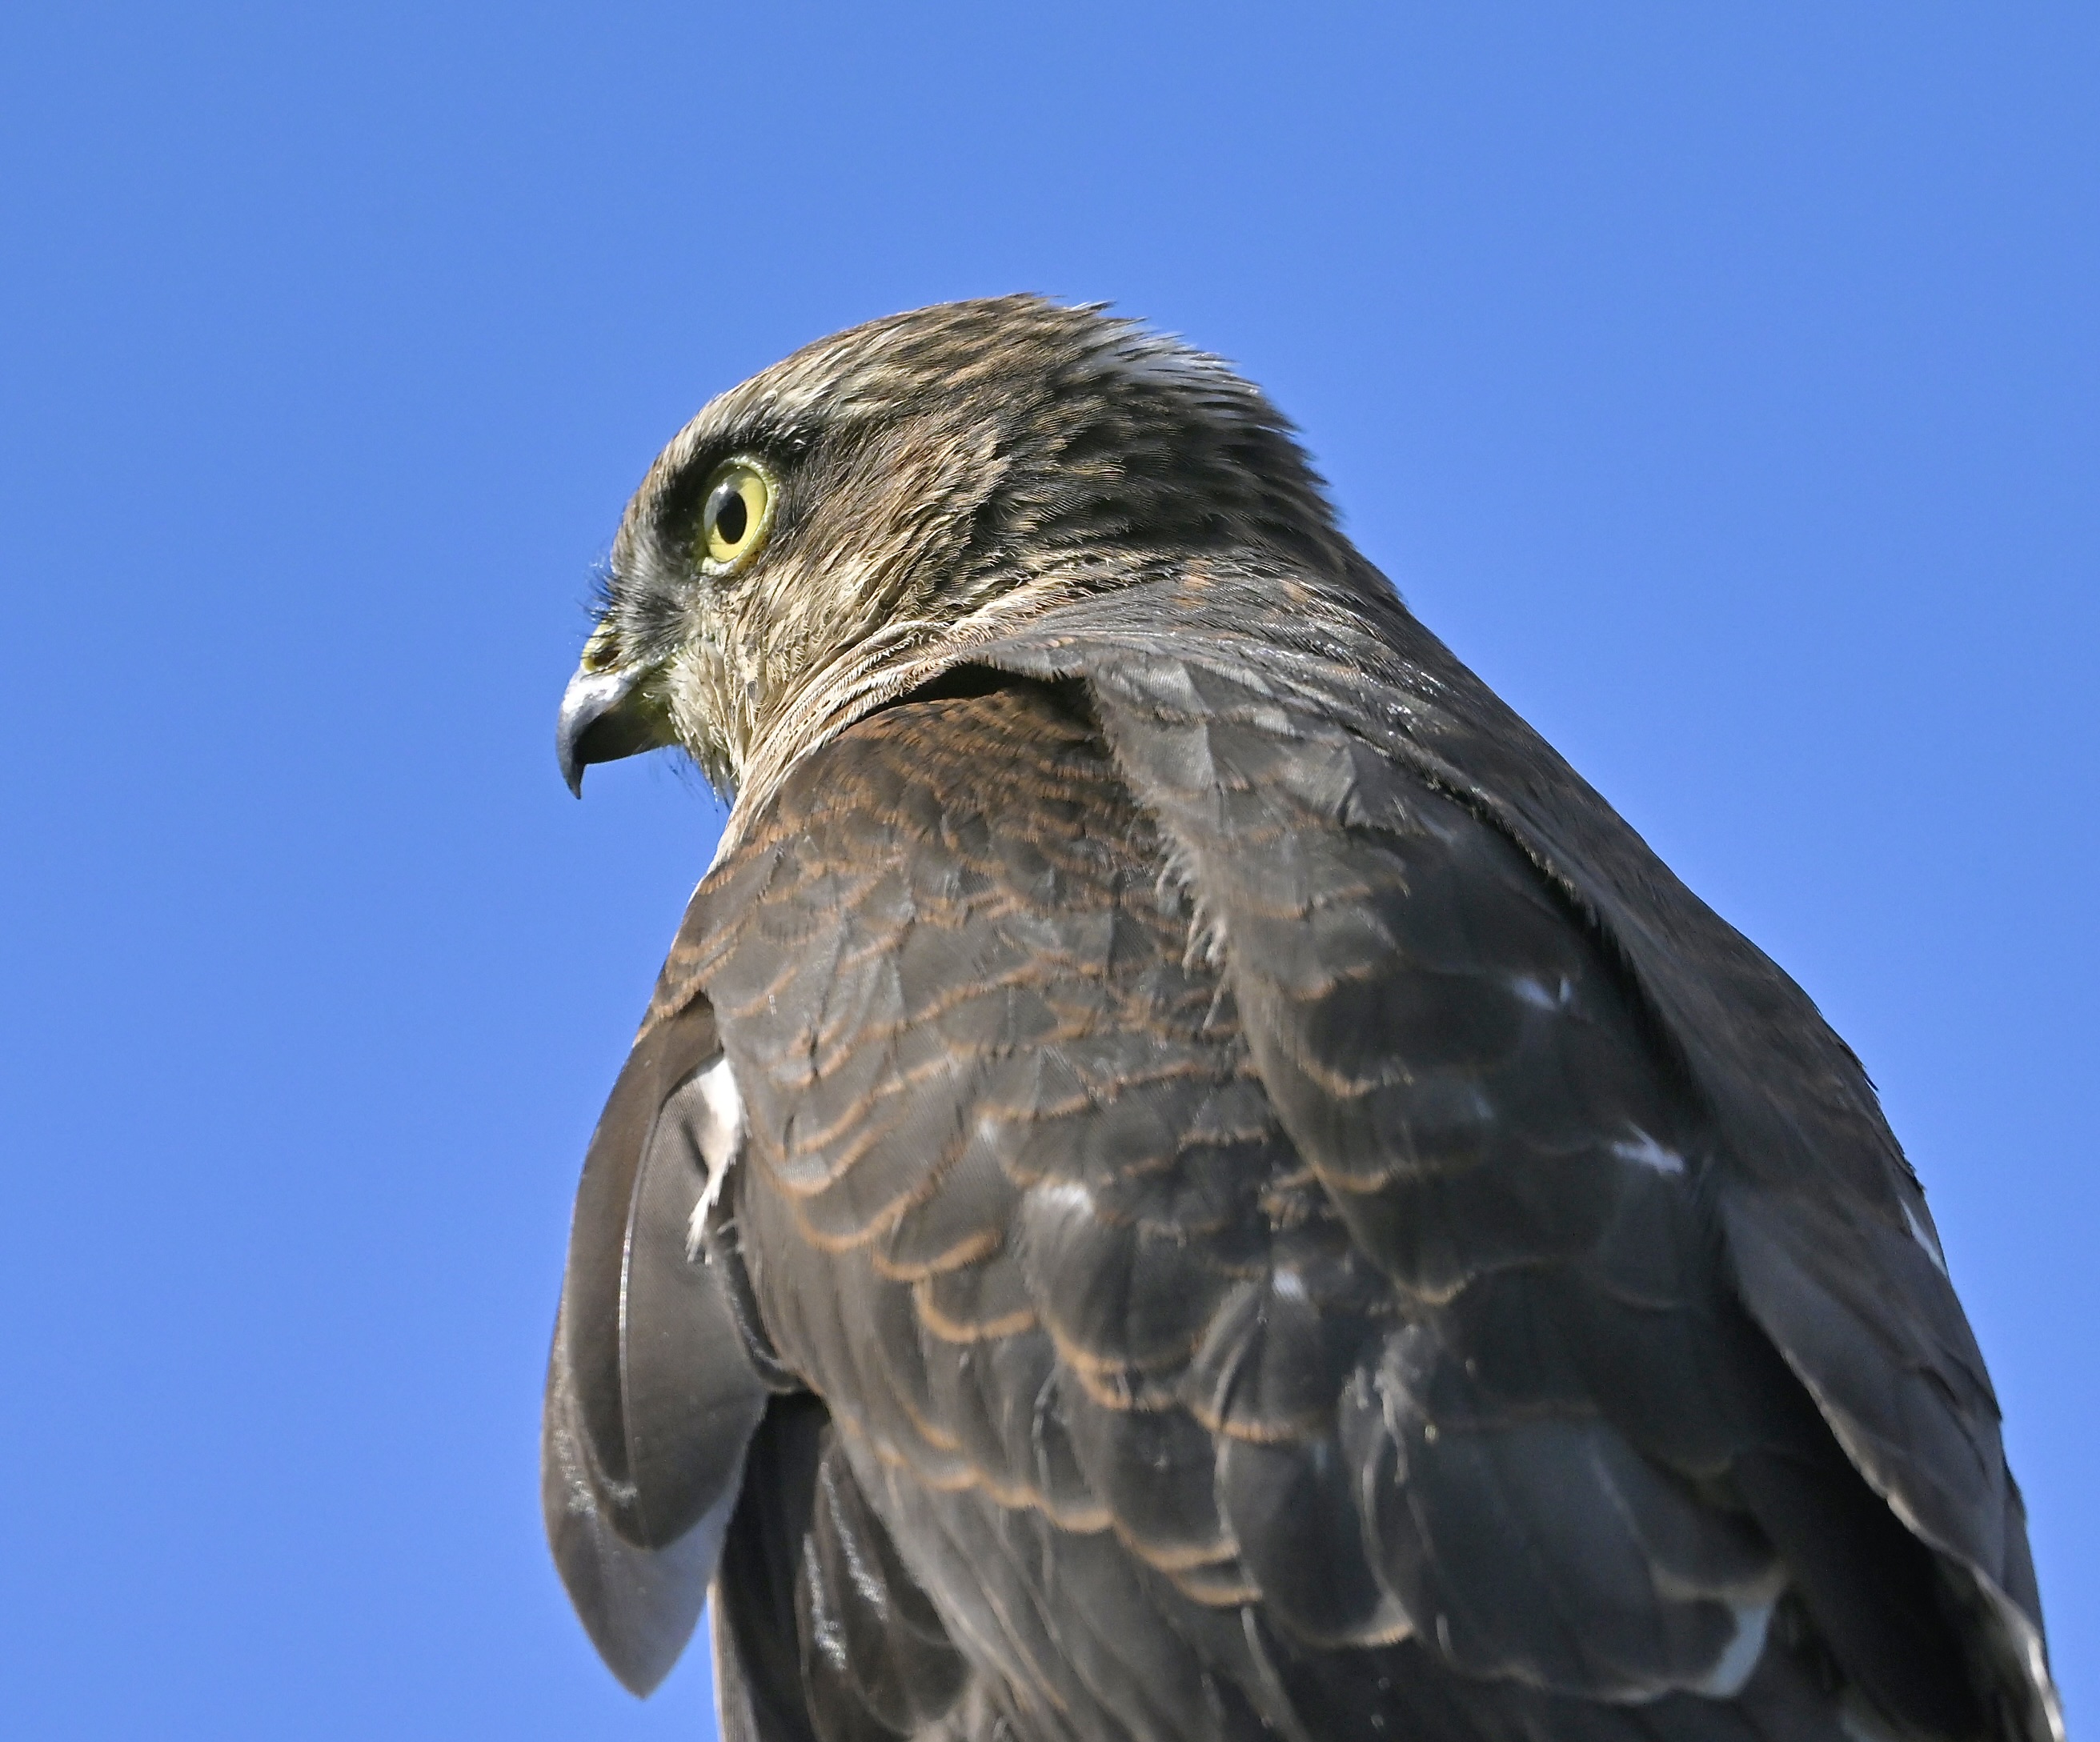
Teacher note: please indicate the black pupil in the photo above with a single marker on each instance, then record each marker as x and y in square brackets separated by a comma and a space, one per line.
[731, 516]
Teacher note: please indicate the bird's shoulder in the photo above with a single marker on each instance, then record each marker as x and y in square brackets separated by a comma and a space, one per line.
[1287, 726]
[1033, 1222]
[1247, 1096]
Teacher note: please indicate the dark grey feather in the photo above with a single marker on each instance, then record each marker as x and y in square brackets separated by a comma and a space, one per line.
[652, 1391]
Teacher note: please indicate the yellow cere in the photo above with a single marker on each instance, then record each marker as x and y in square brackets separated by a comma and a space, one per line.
[738, 515]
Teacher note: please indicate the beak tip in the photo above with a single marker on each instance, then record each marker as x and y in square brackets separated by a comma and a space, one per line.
[567, 759]
[599, 722]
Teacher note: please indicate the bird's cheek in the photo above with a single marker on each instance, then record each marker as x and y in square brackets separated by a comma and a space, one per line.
[703, 698]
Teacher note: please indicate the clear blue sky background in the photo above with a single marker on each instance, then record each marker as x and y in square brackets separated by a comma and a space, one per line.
[1719, 380]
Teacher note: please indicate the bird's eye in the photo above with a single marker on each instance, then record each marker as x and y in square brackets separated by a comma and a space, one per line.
[737, 516]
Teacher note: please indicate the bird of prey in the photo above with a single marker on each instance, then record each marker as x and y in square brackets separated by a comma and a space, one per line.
[1184, 1176]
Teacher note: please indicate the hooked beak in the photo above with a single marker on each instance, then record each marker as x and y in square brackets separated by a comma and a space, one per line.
[605, 716]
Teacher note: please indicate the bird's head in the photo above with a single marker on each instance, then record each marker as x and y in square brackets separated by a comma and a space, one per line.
[840, 520]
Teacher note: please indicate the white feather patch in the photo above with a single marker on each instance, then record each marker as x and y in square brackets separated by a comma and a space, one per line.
[720, 1133]
[1726, 1678]
[1644, 1149]
[1923, 1236]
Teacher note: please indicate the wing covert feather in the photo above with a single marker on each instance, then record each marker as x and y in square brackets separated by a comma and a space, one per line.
[1341, 792]
[1134, 1289]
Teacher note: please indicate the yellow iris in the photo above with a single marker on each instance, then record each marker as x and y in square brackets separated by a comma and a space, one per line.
[736, 516]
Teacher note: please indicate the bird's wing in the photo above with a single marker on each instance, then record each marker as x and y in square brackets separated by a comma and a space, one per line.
[820, 1634]
[1544, 1083]
[1254, 1244]
[1005, 1164]
[652, 1389]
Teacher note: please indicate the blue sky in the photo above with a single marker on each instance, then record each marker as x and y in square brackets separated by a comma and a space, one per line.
[1720, 381]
